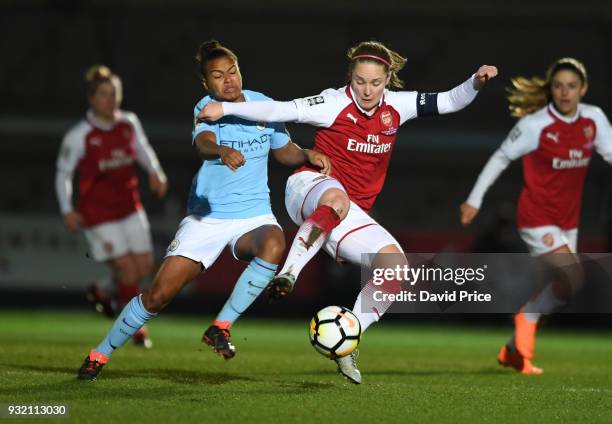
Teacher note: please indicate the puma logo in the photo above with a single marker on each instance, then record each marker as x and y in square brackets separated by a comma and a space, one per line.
[352, 118]
[553, 136]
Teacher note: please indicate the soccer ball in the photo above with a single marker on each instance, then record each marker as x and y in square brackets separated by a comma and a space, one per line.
[335, 332]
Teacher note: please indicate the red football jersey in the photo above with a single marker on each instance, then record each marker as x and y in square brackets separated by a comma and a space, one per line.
[104, 156]
[556, 151]
[358, 144]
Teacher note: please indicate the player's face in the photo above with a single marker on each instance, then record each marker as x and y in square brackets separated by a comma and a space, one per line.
[368, 82]
[223, 79]
[567, 90]
[104, 101]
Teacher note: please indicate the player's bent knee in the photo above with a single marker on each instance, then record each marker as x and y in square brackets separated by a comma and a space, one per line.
[154, 299]
[389, 256]
[337, 200]
[273, 247]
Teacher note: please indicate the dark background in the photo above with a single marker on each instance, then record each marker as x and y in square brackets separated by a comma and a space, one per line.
[289, 50]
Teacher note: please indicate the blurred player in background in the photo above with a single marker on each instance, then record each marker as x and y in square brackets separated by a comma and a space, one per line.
[229, 206]
[103, 148]
[357, 130]
[555, 137]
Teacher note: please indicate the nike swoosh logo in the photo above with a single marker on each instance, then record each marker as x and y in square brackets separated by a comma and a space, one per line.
[253, 285]
[126, 323]
[112, 345]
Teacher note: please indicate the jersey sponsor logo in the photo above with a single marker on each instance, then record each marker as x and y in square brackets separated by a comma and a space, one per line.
[315, 100]
[552, 136]
[576, 160]
[119, 159]
[386, 118]
[589, 132]
[247, 145]
[373, 145]
[515, 133]
[352, 118]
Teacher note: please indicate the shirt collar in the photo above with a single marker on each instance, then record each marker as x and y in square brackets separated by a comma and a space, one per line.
[105, 126]
[567, 119]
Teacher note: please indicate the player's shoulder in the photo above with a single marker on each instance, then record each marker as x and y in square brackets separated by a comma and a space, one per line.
[591, 111]
[396, 97]
[201, 103]
[251, 96]
[128, 116]
[78, 131]
[537, 120]
[328, 95]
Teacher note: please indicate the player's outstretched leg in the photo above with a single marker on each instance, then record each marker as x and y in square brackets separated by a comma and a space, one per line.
[250, 284]
[131, 319]
[309, 239]
[174, 273]
[518, 352]
[568, 278]
[125, 293]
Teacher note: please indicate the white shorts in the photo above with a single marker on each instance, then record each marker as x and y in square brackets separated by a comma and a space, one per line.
[114, 239]
[548, 238]
[203, 239]
[357, 234]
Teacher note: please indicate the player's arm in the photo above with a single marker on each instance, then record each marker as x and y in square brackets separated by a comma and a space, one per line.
[412, 104]
[603, 136]
[521, 141]
[146, 157]
[293, 155]
[263, 110]
[489, 174]
[71, 152]
[462, 95]
[320, 110]
[207, 147]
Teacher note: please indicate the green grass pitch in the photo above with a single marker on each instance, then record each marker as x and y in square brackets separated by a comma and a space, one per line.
[411, 374]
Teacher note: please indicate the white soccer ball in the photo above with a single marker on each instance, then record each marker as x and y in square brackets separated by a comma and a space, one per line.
[335, 331]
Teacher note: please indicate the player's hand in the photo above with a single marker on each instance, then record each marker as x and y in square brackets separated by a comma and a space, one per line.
[232, 158]
[468, 213]
[212, 111]
[484, 74]
[320, 160]
[73, 221]
[158, 185]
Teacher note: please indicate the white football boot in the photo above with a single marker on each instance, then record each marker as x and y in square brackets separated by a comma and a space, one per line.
[347, 366]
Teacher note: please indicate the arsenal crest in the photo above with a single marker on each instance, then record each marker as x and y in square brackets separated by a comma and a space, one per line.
[548, 239]
[386, 118]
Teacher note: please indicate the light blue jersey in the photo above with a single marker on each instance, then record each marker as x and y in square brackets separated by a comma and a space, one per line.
[217, 191]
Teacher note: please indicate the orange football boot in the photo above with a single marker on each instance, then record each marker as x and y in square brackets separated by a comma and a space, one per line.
[508, 358]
